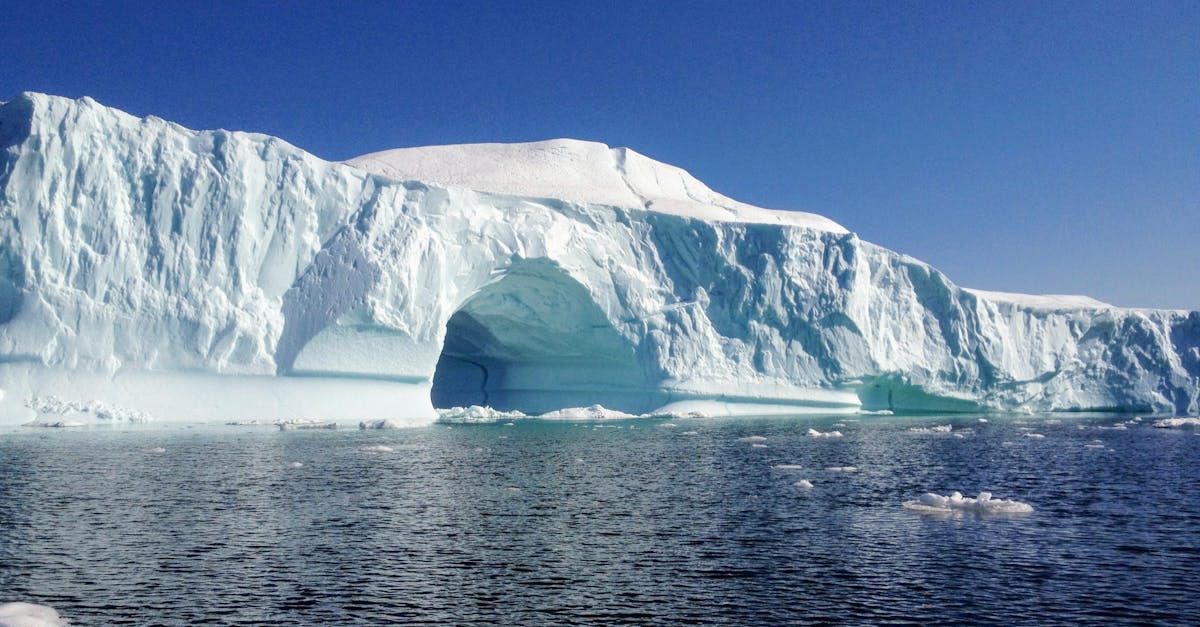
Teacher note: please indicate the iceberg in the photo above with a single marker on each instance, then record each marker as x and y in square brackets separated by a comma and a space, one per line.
[29, 615]
[208, 275]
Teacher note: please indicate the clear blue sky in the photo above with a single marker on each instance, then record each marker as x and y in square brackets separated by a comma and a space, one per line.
[1036, 147]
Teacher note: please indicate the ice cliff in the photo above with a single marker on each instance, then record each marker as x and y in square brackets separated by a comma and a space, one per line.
[215, 274]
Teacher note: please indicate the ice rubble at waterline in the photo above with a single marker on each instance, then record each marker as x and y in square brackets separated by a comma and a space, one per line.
[142, 263]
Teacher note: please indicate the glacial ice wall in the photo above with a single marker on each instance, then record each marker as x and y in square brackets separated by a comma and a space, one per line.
[149, 266]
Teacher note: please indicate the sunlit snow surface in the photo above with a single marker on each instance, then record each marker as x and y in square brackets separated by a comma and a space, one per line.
[141, 262]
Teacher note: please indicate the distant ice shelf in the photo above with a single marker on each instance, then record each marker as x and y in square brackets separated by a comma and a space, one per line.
[223, 275]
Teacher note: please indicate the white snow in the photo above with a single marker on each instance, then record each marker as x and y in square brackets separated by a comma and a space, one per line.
[813, 433]
[29, 615]
[142, 262]
[930, 503]
[582, 172]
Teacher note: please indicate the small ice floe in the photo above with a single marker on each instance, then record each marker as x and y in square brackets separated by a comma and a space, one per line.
[296, 465]
[752, 439]
[939, 429]
[1177, 423]
[960, 436]
[877, 412]
[1093, 446]
[509, 424]
[813, 433]
[1035, 436]
[668, 425]
[594, 412]
[476, 414]
[786, 467]
[803, 484]
[689, 433]
[984, 504]
[302, 423]
[375, 449]
[156, 450]
[842, 468]
[56, 424]
[513, 490]
[983, 420]
[839, 425]
[379, 424]
[758, 446]
[29, 615]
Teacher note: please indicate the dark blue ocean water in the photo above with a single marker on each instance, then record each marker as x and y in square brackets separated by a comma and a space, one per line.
[634, 523]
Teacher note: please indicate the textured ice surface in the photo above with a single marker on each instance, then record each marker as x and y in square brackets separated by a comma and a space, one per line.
[476, 414]
[1169, 423]
[141, 262]
[930, 503]
[29, 615]
[813, 433]
[594, 412]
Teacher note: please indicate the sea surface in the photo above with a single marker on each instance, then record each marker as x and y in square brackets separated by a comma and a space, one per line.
[628, 522]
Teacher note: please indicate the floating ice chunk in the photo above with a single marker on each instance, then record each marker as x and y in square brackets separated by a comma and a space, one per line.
[379, 424]
[296, 465]
[983, 420]
[758, 446]
[938, 429]
[509, 424]
[1093, 446]
[376, 448]
[930, 503]
[157, 450]
[803, 484]
[595, 412]
[514, 490]
[1035, 436]
[476, 414]
[56, 424]
[752, 438]
[289, 425]
[689, 433]
[667, 425]
[813, 433]
[786, 467]
[840, 425]
[1177, 423]
[842, 468]
[878, 412]
[29, 615]
[960, 436]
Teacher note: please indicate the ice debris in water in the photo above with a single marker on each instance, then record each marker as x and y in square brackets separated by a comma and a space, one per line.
[758, 446]
[983, 420]
[667, 425]
[376, 448]
[301, 423]
[595, 412]
[813, 433]
[55, 412]
[1176, 423]
[379, 424]
[930, 503]
[1035, 436]
[157, 450]
[878, 412]
[752, 438]
[689, 433]
[29, 615]
[842, 469]
[296, 465]
[476, 414]
[786, 467]
[804, 484]
[937, 429]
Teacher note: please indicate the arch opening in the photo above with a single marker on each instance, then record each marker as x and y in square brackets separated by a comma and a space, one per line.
[535, 341]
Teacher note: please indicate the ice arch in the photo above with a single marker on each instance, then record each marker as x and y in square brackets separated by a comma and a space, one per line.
[535, 341]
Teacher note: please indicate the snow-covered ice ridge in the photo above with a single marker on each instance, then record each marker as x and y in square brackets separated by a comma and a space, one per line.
[219, 274]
